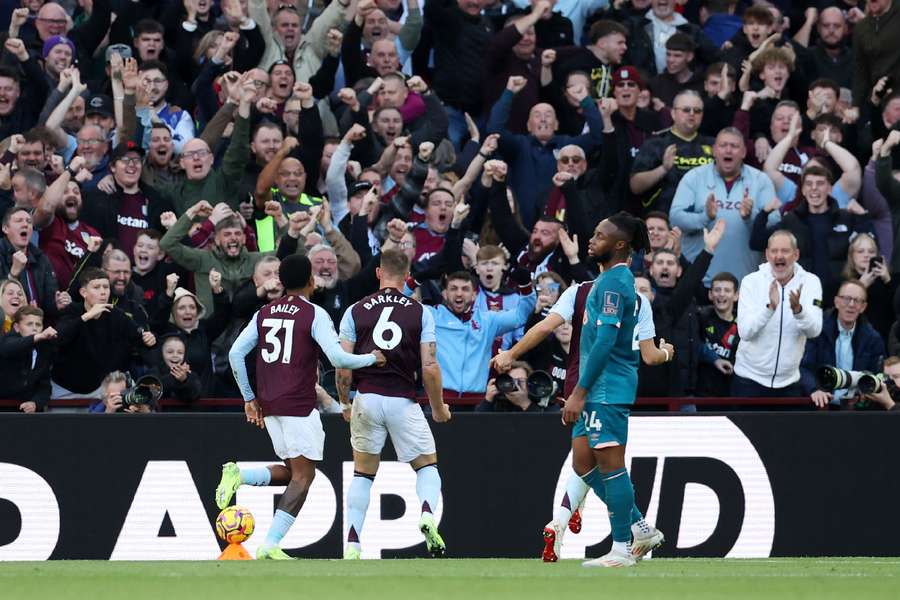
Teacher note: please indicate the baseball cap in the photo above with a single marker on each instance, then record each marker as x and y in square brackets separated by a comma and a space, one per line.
[56, 40]
[360, 186]
[124, 148]
[99, 104]
[124, 51]
[627, 73]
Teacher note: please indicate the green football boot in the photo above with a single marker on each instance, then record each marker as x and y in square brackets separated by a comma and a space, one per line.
[272, 553]
[433, 539]
[228, 485]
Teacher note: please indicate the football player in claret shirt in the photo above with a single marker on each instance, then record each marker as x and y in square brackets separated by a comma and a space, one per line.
[607, 383]
[385, 401]
[288, 333]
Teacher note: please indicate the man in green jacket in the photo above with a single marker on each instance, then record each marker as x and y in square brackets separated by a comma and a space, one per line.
[228, 255]
[875, 49]
[219, 185]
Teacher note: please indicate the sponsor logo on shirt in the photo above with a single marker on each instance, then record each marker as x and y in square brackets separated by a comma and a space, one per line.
[610, 303]
[132, 222]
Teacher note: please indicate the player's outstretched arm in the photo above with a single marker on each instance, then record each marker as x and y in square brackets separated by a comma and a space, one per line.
[652, 355]
[502, 362]
[324, 334]
[431, 376]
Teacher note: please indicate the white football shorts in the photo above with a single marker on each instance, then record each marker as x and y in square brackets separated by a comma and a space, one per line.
[293, 437]
[375, 416]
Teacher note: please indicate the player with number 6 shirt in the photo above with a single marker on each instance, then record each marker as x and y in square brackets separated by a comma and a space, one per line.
[288, 333]
[385, 401]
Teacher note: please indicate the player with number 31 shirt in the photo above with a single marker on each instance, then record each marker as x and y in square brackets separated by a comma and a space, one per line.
[385, 402]
[288, 334]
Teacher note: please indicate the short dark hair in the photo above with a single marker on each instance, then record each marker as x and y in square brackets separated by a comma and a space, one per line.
[150, 233]
[824, 82]
[816, 170]
[38, 134]
[295, 272]
[726, 276]
[394, 262]
[148, 26]
[149, 65]
[716, 69]
[759, 14]
[603, 28]
[26, 311]
[10, 73]
[11, 211]
[460, 276]
[657, 214]
[91, 274]
[831, 120]
[680, 42]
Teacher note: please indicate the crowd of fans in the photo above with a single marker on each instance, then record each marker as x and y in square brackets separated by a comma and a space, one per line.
[159, 158]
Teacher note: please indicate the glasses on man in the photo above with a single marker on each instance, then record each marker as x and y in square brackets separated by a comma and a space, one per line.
[157, 80]
[575, 160]
[130, 161]
[259, 83]
[91, 143]
[852, 300]
[690, 110]
[52, 21]
[191, 155]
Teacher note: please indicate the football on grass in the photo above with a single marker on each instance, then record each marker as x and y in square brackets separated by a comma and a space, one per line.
[235, 524]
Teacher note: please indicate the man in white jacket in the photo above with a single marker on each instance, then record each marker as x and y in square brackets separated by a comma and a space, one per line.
[779, 308]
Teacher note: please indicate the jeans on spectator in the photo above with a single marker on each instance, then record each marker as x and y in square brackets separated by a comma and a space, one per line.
[747, 388]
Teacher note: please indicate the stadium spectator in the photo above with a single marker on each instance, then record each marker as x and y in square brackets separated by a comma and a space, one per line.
[531, 157]
[667, 156]
[719, 334]
[26, 357]
[847, 342]
[94, 337]
[175, 373]
[22, 260]
[780, 308]
[12, 298]
[875, 49]
[648, 35]
[866, 265]
[728, 190]
[229, 255]
[465, 335]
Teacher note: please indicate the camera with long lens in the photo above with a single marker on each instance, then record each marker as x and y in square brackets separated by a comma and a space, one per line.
[540, 386]
[833, 378]
[145, 391]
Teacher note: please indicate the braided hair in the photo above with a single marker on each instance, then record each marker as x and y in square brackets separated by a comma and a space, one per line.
[634, 230]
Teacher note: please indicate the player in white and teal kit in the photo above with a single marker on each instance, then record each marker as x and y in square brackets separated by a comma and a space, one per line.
[609, 358]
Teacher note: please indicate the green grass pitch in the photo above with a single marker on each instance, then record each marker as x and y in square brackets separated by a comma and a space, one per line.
[793, 578]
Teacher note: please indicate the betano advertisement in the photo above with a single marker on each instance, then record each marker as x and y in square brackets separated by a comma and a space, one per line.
[131, 487]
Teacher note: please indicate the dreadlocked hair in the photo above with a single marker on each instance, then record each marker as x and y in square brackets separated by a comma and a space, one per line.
[634, 229]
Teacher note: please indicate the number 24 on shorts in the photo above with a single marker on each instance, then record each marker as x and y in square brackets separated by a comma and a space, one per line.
[591, 421]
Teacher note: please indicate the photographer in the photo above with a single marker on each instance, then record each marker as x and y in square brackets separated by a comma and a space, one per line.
[847, 342]
[886, 398]
[114, 389]
[509, 393]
